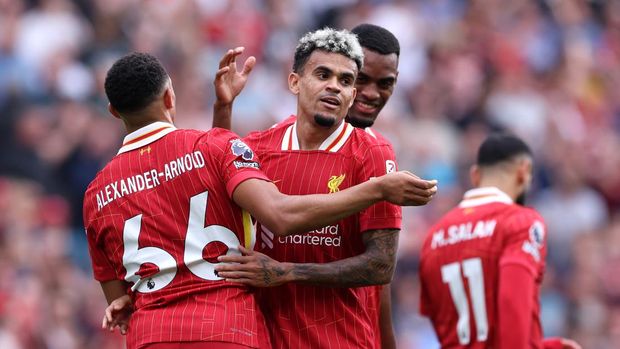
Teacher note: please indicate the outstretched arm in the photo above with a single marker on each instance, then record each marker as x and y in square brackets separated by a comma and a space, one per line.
[290, 214]
[228, 84]
[373, 267]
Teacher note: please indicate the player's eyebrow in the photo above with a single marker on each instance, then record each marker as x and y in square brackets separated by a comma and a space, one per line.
[343, 74]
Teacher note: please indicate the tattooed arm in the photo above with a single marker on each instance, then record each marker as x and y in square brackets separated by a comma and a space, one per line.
[373, 267]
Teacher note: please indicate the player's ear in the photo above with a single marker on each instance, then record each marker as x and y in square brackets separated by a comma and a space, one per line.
[524, 171]
[475, 175]
[169, 98]
[293, 83]
[113, 111]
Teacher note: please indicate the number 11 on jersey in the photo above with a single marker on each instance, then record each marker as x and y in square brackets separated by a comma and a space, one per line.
[451, 275]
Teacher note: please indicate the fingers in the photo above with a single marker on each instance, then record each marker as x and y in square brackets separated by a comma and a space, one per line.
[221, 72]
[248, 65]
[233, 259]
[230, 56]
[245, 251]
[236, 275]
[245, 281]
[123, 327]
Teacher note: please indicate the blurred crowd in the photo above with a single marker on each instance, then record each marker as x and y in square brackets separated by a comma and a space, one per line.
[546, 70]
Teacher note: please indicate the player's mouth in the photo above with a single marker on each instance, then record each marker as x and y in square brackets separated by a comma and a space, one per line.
[364, 107]
[330, 102]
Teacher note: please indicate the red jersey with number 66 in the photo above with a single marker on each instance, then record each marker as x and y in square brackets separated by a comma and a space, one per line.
[158, 216]
[460, 263]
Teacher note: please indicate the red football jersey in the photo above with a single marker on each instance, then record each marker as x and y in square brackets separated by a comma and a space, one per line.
[158, 215]
[303, 316]
[460, 263]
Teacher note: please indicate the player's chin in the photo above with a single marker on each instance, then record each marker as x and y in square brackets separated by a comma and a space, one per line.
[325, 119]
[361, 120]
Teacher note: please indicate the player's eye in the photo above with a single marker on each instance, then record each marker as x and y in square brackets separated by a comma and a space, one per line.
[323, 75]
[346, 81]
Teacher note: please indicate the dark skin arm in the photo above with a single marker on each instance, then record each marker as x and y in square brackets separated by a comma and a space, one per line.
[373, 267]
[228, 84]
[291, 214]
[388, 340]
[120, 306]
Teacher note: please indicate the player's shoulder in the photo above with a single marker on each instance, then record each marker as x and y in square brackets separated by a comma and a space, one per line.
[362, 141]
[519, 214]
[377, 136]
[270, 136]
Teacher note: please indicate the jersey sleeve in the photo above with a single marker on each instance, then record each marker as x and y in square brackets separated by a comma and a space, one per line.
[103, 269]
[234, 160]
[525, 242]
[379, 160]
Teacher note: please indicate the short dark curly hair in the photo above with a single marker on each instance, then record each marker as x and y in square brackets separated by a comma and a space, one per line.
[376, 38]
[500, 147]
[134, 81]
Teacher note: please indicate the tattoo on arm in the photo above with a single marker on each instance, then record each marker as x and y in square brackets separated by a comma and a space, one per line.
[373, 267]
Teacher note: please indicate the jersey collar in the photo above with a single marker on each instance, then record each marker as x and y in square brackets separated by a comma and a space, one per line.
[146, 135]
[485, 195]
[333, 143]
[370, 132]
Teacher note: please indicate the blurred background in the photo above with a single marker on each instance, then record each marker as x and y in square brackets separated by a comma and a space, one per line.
[546, 70]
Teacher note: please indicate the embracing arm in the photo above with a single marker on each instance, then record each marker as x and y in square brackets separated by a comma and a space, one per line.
[289, 214]
[373, 267]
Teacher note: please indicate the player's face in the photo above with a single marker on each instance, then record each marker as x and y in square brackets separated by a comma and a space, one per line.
[374, 84]
[325, 88]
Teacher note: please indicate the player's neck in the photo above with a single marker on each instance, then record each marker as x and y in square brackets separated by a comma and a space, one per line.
[311, 135]
[137, 121]
[501, 183]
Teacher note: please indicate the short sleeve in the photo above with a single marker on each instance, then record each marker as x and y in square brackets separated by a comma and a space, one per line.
[234, 159]
[379, 160]
[525, 241]
[102, 267]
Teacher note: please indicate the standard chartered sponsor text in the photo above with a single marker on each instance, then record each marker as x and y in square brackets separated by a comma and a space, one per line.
[326, 236]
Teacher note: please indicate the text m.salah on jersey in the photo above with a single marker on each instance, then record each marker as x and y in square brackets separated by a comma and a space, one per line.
[463, 232]
[150, 178]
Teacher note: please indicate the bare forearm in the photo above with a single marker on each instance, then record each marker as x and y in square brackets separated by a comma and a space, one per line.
[114, 289]
[222, 116]
[304, 213]
[373, 267]
[388, 340]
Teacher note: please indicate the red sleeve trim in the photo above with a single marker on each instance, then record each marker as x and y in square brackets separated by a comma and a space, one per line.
[242, 176]
[382, 223]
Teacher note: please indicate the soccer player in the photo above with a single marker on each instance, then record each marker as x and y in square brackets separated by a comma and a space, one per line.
[482, 263]
[162, 211]
[374, 84]
[317, 151]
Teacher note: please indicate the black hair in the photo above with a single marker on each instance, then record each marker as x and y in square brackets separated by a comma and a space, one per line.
[328, 40]
[500, 147]
[134, 81]
[376, 38]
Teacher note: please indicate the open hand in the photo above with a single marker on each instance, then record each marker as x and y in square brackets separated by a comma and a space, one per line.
[228, 81]
[117, 314]
[252, 268]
